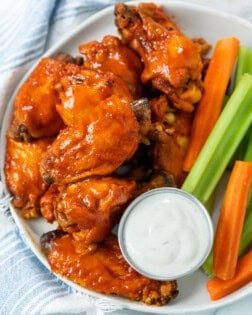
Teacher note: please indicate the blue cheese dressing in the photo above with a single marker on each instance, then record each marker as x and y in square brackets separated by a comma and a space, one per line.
[165, 234]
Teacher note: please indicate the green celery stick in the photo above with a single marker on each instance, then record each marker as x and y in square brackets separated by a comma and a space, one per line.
[207, 266]
[246, 237]
[222, 142]
[248, 151]
[244, 65]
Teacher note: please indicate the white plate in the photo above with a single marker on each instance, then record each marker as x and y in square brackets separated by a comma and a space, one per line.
[196, 21]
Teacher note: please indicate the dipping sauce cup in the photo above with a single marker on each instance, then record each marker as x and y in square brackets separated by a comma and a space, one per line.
[165, 233]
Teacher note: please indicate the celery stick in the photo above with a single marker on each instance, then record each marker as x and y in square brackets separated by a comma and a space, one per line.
[246, 237]
[244, 63]
[244, 150]
[247, 156]
[207, 266]
[222, 142]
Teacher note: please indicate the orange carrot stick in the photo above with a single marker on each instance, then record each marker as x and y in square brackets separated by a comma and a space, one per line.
[231, 218]
[215, 85]
[219, 288]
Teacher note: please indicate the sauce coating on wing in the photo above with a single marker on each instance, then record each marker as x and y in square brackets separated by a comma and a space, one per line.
[113, 56]
[106, 271]
[35, 113]
[172, 61]
[22, 174]
[98, 145]
[80, 93]
[90, 208]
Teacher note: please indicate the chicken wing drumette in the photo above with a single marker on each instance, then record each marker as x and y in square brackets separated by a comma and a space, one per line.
[88, 209]
[113, 56]
[22, 174]
[79, 94]
[172, 61]
[35, 113]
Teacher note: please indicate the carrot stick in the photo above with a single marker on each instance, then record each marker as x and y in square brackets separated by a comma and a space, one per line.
[219, 288]
[215, 85]
[231, 219]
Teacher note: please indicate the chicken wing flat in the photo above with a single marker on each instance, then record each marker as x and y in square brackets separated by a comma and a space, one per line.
[172, 61]
[171, 132]
[80, 93]
[165, 132]
[104, 270]
[113, 56]
[22, 174]
[88, 209]
[35, 113]
[97, 145]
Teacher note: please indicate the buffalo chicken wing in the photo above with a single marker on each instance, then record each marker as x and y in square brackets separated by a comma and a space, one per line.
[171, 131]
[88, 209]
[96, 145]
[80, 93]
[104, 270]
[111, 55]
[172, 61]
[35, 113]
[23, 176]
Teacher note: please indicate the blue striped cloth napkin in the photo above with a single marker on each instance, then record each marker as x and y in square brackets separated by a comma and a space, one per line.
[27, 29]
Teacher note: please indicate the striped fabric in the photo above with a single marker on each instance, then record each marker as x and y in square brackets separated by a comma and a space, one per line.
[32, 281]
[27, 29]
[22, 42]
